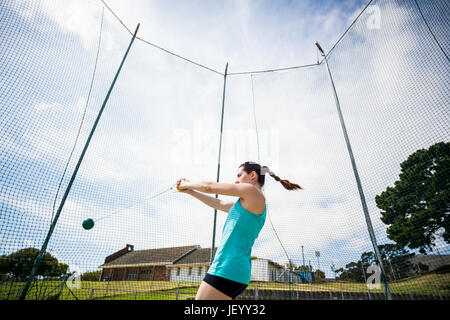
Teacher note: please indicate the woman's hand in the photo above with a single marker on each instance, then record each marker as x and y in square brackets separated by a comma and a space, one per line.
[180, 186]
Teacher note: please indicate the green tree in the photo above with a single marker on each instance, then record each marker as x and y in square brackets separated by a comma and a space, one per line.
[91, 276]
[20, 263]
[418, 205]
[304, 268]
[319, 275]
[396, 261]
[352, 272]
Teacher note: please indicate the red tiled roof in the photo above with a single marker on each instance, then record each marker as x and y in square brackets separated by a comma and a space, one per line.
[151, 256]
[201, 255]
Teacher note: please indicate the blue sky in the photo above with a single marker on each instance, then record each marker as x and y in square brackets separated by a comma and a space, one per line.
[162, 120]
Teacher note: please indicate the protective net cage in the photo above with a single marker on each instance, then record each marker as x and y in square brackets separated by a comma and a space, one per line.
[90, 214]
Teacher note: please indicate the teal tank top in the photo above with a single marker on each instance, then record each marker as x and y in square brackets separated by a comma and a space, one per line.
[233, 257]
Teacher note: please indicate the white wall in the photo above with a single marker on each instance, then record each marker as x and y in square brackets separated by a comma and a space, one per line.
[184, 273]
[284, 274]
[260, 270]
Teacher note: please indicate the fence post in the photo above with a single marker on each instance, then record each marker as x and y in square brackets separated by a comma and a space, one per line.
[368, 293]
[178, 290]
[135, 295]
[92, 294]
[439, 291]
[331, 295]
[43, 293]
[10, 289]
[107, 286]
[411, 296]
[342, 292]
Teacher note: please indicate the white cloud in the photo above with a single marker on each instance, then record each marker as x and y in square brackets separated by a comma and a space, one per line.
[55, 135]
[76, 17]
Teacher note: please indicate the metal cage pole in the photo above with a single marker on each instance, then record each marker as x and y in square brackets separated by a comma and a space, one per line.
[358, 182]
[218, 162]
[38, 260]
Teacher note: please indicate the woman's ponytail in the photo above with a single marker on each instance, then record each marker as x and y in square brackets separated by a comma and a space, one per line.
[250, 166]
[286, 183]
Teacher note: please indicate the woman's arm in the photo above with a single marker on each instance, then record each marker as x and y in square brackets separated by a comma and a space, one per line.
[215, 203]
[242, 190]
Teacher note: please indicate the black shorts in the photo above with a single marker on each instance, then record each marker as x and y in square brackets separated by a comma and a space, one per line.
[226, 286]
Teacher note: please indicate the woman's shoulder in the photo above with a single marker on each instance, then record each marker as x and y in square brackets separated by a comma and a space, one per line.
[255, 205]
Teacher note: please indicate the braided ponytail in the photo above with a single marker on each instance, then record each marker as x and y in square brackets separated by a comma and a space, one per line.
[250, 166]
[286, 183]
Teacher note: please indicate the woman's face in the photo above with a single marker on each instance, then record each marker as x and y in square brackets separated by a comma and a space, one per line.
[245, 177]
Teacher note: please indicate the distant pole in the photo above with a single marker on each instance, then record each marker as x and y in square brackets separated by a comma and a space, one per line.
[442, 260]
[40, 256]
[218, 162]
[358, 182]
[303, 256]
[333, 269]
[318, 256]
[364, 273]
[392, 270]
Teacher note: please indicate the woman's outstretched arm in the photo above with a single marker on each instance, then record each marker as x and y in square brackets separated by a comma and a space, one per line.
[242, 190]
[213, 202]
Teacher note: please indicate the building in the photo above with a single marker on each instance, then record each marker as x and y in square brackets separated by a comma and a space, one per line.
[433, 261]
[267, 270]
[191, 267]
[306, 276]
[188, 263]
[419, 264]
[142, 265]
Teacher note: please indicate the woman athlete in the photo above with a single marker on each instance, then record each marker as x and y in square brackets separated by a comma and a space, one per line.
[229, 273]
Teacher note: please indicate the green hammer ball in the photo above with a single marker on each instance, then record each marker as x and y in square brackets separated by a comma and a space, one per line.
[88, 224]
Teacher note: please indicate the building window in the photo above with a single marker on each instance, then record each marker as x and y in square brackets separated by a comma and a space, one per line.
[178, 271]
[131, 275]
[190, 271]
[200, 271]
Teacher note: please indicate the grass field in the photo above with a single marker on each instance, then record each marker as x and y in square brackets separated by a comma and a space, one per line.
[429, 284]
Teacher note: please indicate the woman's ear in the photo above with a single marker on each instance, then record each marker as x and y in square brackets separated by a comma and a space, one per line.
[254, 176]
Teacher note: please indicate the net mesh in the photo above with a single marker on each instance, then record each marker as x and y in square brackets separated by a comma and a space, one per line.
[390, 72]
